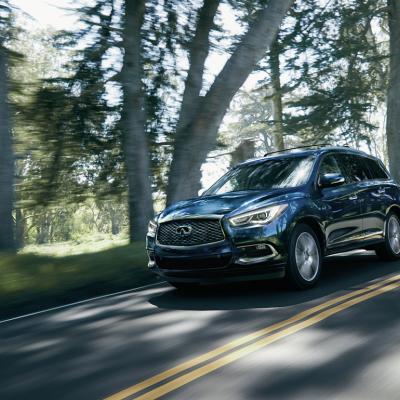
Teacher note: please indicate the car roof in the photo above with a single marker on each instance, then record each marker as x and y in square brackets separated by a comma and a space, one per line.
[298, 152]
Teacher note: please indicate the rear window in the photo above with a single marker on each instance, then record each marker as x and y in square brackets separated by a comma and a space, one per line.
[375, 169]
[354, 167]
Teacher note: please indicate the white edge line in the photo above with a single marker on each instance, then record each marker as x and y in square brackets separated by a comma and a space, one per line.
[81, 302]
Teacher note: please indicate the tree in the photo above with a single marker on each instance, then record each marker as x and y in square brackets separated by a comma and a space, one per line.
[393, 94]
[276, 86]
[67, 130]
[7, 241]
[249, 132]
[326, 73]
[115, 114]
[196, 136]
[340, 71]
[135, 141]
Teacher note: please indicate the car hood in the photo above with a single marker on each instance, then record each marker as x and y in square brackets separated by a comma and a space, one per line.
[228, 203]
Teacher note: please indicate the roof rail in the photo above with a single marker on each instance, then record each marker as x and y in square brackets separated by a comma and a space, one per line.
[300, 147]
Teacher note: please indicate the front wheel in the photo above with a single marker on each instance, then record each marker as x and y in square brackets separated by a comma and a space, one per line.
[304, 258]
[389, 250]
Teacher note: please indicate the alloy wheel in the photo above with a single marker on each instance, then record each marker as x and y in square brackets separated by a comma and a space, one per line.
[307, 256]
[394, 234]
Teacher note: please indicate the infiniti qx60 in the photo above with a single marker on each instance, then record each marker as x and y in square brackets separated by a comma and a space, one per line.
[278, 216]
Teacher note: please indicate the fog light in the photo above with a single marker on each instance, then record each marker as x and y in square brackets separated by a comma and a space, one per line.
[256, 254]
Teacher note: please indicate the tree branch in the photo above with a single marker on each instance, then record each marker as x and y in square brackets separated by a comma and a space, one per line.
[198, 52]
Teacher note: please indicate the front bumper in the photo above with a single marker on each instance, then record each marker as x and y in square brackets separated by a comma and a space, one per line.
[253, 253]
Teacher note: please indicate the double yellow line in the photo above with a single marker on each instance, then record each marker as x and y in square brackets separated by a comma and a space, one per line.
[236, 349]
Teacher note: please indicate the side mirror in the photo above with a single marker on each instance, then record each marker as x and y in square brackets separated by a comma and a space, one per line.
[331, 180]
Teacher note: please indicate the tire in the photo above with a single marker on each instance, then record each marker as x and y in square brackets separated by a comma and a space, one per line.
[304, 258]
[389, 250]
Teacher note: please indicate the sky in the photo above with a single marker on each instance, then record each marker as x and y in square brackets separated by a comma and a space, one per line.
[47, 12]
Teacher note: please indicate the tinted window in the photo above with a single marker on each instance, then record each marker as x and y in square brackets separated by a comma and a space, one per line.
[329, 165]
[354, 167]
[375, 169]
[274, 173]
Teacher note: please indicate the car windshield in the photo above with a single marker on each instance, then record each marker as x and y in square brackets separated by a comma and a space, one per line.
[272, 174]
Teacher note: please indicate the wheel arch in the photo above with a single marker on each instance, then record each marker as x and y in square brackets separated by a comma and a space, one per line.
[394, 208]
[316, 226]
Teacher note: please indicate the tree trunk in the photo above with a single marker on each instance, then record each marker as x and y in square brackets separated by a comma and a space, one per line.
[198, 52]
[7, 241]
[199, 49]
[393, 96]
[115, 219]
[115, 229]
[199, 136]
[277, 108]
[135, 143]
[20, 227]
[43, 228]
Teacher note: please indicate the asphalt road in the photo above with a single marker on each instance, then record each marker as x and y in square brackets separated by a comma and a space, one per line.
[344, 344]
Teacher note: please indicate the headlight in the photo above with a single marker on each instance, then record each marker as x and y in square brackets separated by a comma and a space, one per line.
[258, 217]
[152, 229]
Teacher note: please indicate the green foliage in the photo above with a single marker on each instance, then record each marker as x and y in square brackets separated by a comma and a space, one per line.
[88, 135]
[250, 114]
[334, 70]
[344, 78]
[72, 222]
[81, 243]
[88, 159]
[56, 174]
[7, 28]
[30, 282]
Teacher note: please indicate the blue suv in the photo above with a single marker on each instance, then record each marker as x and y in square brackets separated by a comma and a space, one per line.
[279, 216]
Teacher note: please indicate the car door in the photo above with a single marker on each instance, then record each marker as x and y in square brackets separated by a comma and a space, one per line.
[341, 205]
[376, 200]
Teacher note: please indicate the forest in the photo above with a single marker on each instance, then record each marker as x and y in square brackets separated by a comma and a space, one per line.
[145, 102]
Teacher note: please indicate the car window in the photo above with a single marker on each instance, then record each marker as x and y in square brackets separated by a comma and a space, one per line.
[329, 165]
[270, 174]
[354, 167]
[375, 169]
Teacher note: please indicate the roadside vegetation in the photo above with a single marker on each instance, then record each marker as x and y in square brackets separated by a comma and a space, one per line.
[81, 244]
[32, 281]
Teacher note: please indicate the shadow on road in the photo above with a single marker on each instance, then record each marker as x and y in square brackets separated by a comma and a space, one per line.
[341, 272]
[97, 348]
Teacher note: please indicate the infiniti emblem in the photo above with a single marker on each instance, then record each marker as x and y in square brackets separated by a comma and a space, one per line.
[184, 230]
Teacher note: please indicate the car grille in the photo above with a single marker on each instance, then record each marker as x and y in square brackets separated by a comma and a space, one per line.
[202, 231]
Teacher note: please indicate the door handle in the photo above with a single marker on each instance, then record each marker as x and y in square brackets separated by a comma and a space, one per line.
[381, 190]
[353, 197]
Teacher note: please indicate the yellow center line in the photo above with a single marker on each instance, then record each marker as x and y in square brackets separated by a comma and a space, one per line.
[243, 340]
[251, 348]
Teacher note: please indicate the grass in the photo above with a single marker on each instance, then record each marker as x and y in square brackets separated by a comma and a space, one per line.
[87, 244]
[31, 281]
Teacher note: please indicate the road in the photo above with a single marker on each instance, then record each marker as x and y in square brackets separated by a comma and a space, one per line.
[340, 340]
